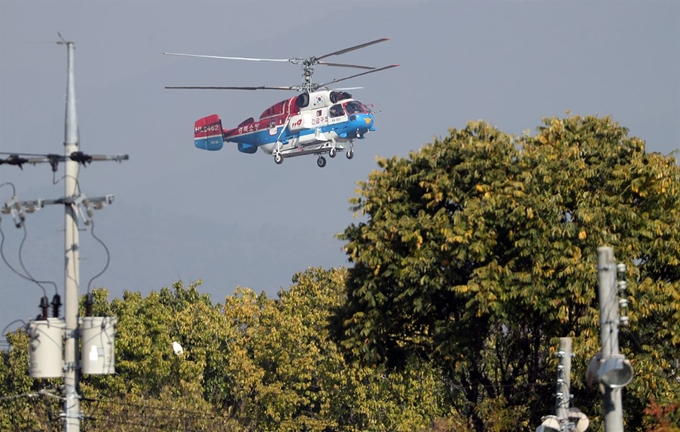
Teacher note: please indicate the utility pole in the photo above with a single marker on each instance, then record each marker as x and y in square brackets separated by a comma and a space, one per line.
[72, 255]
[50, 336]
[567, 419]
[609, 333]
[611, 369]
[563, 383]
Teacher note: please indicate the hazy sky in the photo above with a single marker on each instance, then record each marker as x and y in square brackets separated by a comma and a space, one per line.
[230, 218]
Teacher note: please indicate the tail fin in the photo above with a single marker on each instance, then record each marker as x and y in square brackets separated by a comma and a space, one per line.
[208, 133]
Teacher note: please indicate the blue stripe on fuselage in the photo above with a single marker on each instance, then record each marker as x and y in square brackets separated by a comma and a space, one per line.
[347, 130]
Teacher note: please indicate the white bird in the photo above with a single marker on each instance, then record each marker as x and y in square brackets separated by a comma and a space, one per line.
[177, 348]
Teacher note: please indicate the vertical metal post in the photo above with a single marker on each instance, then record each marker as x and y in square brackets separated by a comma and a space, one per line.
[564, 381]
[609, 333]
[71, 270]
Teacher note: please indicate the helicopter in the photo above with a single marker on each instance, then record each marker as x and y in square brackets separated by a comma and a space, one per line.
[318, 121]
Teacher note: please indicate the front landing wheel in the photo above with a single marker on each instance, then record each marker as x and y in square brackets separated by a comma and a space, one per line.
[278, 159]
[321, 161]
[350, 154]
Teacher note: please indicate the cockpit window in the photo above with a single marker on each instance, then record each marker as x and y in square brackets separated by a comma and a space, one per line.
[336, 111]
[354, 107]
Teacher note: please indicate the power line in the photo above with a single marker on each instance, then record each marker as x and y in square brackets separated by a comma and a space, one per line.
[21, 262]
[10, 184]
[2, 255]
[7, 326]
[108, 257]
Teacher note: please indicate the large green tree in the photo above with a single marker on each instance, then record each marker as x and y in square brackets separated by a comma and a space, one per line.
[479, 252]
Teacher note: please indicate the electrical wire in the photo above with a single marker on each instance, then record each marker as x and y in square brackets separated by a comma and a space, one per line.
[147, 406]
[149, 416]
[14, 189]
[21, 262]
[19, 396]
[108, 257]
[7, 326]
[56, 180]
[4, 341]
[126, 423]
[2, 254]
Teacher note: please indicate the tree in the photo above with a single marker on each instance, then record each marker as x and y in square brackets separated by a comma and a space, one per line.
[254, 363]
[479, 251]
[22, 406]
[154, 387]
[288, 374]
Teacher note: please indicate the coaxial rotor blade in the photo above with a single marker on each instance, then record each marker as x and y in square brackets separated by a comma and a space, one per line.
[346, 65]
[359, 74]
[227, 58]
[232, 88]
[356, 47]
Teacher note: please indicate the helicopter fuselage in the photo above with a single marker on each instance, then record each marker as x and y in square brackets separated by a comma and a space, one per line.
[327, 117]
[311, 123]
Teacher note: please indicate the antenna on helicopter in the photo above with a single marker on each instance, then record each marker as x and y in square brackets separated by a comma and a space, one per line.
[307, 65]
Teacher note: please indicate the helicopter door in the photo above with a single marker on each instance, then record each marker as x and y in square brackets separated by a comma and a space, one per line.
[272, 127]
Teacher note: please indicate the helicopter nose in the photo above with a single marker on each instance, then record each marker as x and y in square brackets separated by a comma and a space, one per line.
[368, 119]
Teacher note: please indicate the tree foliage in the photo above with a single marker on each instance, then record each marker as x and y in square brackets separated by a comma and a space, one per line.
[253, 363]
[479, 252]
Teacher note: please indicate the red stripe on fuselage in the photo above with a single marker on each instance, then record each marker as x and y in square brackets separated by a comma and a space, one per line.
[263, 123]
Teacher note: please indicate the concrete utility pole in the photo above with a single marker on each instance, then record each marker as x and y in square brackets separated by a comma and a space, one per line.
[72, 255]
[563, 383]
[50, 337]
[567, 418]
[614, 370]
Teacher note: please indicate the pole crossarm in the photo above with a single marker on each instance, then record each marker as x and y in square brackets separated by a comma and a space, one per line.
[85, 206]
[40, 203]
[19, 159]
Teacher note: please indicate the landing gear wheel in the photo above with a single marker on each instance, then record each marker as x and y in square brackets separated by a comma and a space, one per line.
[350, 154]
[278, 159]
[332, 153]
[321, 161]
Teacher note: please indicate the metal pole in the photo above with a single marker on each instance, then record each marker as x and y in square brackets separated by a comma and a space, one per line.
[563, 380]
[609, 333]
[71, 273]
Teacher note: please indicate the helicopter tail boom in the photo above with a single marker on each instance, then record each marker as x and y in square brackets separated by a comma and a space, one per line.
[208, 133]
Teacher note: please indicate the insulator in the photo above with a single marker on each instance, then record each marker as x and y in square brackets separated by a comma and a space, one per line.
[89, 301]
[56, 303]
[623, 303]
[622, 284]
[621, 268]
[44, 305]
[624, 320]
